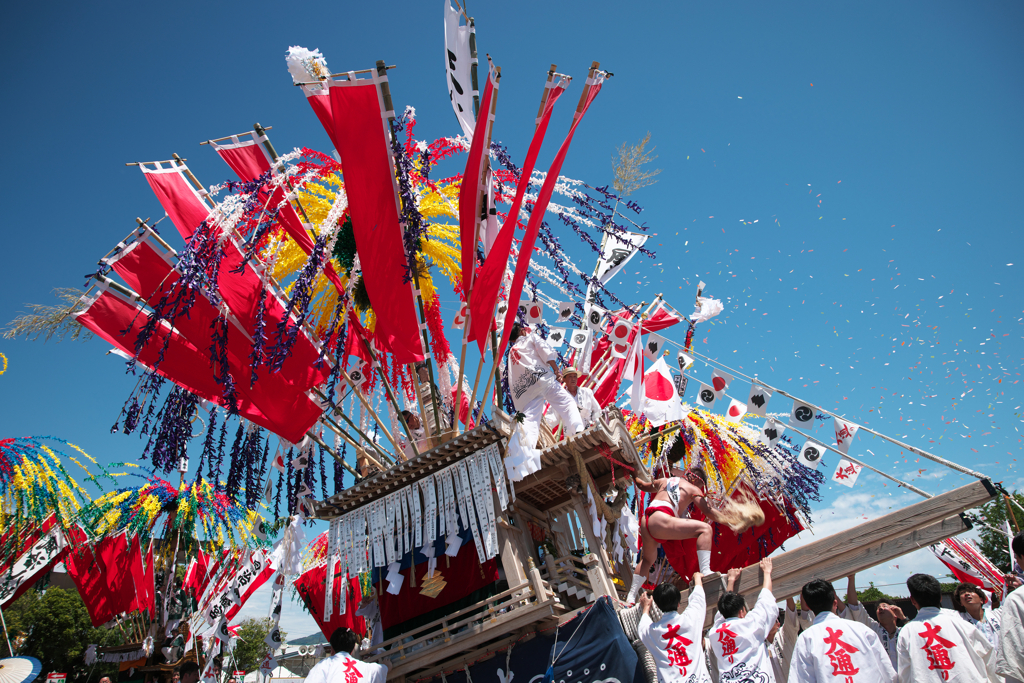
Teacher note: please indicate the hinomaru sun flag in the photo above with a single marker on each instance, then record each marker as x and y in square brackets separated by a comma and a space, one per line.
[660, 403]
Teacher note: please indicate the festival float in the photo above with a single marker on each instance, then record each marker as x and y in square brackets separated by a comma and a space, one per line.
[296, 338]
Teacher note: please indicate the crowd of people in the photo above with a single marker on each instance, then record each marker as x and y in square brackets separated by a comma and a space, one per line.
[832, 640]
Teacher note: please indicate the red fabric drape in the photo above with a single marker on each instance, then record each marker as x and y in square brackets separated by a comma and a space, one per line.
[729, 550]
[288, 408]
[184, 207]
[99, 572]
[310, 587]
[533, 226]
[487, 284]
[362, 143]
[463, 575]
[469, 190]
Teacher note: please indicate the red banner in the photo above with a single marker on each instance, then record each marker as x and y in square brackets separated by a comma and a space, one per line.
[288, 409]
[533, 226]
[469, 190]
[361, 138]
[180, 200]
[487, 283]
[105, 574]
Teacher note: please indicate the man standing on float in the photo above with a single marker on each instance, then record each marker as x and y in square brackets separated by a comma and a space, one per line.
[533, 380]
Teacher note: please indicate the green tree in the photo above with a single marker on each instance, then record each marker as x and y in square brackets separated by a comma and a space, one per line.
[251, 648]
[993, 544]
[54, 627]
[870, 594]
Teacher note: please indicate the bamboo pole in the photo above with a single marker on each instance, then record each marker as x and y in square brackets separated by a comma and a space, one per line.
[320, 442]
[1009, 508]
[340, 431]
[229, 137]
[368, 407]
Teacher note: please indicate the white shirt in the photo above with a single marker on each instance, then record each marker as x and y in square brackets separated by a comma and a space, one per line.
[859, 614]
[835, 649]
[1010, 656]
[738, 643]
[937, 645]
[988, 624]
[344, 668]
[675, 642]
[529, 375]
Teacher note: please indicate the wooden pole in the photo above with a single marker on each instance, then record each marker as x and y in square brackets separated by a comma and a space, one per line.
[1009, 508]
[369, 408]
[320, 442]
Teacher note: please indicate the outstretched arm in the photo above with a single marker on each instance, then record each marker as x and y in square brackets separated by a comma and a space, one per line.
[646, 486]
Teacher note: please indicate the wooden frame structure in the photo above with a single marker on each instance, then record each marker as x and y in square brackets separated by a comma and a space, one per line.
[549, 585]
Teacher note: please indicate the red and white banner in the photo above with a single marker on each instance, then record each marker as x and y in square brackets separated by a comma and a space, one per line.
[487, 283]
[969, 565]
[42, 550]
[660, 403]
[543, 198]
[472, 184]
[181, 201]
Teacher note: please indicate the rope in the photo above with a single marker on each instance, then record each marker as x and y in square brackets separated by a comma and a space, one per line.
[913, 449]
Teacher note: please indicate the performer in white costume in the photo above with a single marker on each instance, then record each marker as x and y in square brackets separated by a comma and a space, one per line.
[937, 645]
[835, 649]
[738, 640]
[533, 380]
[781, 640]
[674, 641]
[1010, 656]
[342, 667]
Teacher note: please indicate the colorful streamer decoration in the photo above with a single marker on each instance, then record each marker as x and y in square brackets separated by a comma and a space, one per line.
[159, 508]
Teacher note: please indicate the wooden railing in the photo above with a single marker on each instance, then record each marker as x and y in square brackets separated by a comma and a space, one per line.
[468, 621]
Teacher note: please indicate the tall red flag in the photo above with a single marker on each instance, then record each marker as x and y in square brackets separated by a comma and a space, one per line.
[488, 281]
[533, 227]
[469, 191]
[360, 134]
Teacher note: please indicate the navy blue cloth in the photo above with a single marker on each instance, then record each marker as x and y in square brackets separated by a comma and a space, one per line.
[591, 649]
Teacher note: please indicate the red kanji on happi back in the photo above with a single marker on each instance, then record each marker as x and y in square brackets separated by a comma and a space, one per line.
[937, 649]
[676, 648]
[839, 655]
[728, 641]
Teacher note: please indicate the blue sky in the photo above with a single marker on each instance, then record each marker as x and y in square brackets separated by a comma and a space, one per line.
[842, 176]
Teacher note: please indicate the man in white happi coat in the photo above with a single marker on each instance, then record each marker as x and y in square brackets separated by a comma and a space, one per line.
[590, 409]
[533, 380]
[1010, 655]
[780, 640]
[835, 649]
[342, 667]
[674, 641]
[937, 645]
[738, 640]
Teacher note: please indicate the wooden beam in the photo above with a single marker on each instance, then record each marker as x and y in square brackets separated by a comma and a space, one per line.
[788, 578]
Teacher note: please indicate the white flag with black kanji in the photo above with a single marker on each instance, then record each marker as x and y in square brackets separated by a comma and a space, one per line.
[595, 317]
[565, 311]
[845, 431]
[720, 382]
[757, 403]
[846, 473]
[680, 382]
[616, 252]
[556, 336]
[811, 454]
[653, 346]
[685, 361]
[706, 396]
[579, 338]
[772, 432]
[802, 415]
